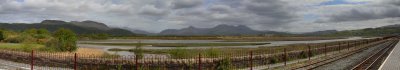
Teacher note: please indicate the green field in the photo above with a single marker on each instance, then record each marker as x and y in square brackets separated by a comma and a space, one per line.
[179, 44]
[20, 47]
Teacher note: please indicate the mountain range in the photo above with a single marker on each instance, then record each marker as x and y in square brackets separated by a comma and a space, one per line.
[222, 29]
[379, 31]
[93, 27]
[84, 27]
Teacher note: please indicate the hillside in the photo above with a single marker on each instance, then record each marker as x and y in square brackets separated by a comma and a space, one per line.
[380, 31]
[85, 27]
[222, 29]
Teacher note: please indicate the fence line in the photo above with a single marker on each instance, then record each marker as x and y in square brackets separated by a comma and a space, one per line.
[227, 61]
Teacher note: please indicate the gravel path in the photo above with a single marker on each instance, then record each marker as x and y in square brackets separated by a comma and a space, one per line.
[348, 62]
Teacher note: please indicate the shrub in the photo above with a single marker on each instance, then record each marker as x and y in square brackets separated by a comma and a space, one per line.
[42, 34]
[179, 53]
[66, 40]
[303, 54]
[212, 52]
[2, 35]
[224, 64]
[273, 60]
[12, 40]
[53, 44]
[139, 52]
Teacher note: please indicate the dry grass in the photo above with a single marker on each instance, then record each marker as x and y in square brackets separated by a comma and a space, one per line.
[81, 53]
[90, 51]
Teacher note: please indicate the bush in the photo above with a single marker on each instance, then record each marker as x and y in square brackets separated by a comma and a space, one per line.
[12, 40]
[273, 60]
[2, 35]
[224, 64]
[42, 34]
[212, 52]
[66, 40]
[139, 52]
[53, 45]
[179, 53]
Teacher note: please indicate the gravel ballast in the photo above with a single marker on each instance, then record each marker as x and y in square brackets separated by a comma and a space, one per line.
[348, 62]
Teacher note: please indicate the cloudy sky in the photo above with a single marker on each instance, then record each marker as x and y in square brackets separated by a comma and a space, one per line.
[157, 15]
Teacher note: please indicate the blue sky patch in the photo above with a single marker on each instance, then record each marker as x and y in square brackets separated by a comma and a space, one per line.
[338, 2]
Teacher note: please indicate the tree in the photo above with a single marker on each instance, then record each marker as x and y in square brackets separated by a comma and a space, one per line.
[30, 31]
[2, 35]
[139, 50]
[66, 39]
[42, 33]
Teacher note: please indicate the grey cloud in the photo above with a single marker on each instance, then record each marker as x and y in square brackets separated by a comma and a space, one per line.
[392, 2]
[220, 8]
[180, 4]
[270, 12]
[151, 10]
[384, 9]
[267, 14]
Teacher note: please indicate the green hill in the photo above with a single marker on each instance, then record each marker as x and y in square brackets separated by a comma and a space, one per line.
[53, 25]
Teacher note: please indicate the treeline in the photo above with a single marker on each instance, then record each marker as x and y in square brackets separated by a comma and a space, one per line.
[60, 40]
[102, 36]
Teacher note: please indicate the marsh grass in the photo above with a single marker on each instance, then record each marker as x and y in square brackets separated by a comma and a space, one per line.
[234, 38]
[178, 44]
[25, 47]
[182, 52]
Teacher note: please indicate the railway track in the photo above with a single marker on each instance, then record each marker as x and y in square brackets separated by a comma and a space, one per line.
[335, 58]
[374, 60]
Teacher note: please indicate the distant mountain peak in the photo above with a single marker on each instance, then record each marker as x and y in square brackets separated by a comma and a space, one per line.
[53, 22]
[91, 24]
[223, 26]
[191, 27]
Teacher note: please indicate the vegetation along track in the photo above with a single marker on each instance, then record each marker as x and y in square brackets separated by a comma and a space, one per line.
[374, 60]
[331, 59]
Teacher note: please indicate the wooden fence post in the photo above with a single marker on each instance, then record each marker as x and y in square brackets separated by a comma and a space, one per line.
[325, 49]
[348, 46]
[136, 62]
[75, 62]
[340, 44]
[309, 53]
[251, 60]
[199, 59]
[285, 56]
[32, 59]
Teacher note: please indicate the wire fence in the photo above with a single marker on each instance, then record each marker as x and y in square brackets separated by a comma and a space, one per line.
[246, 60]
